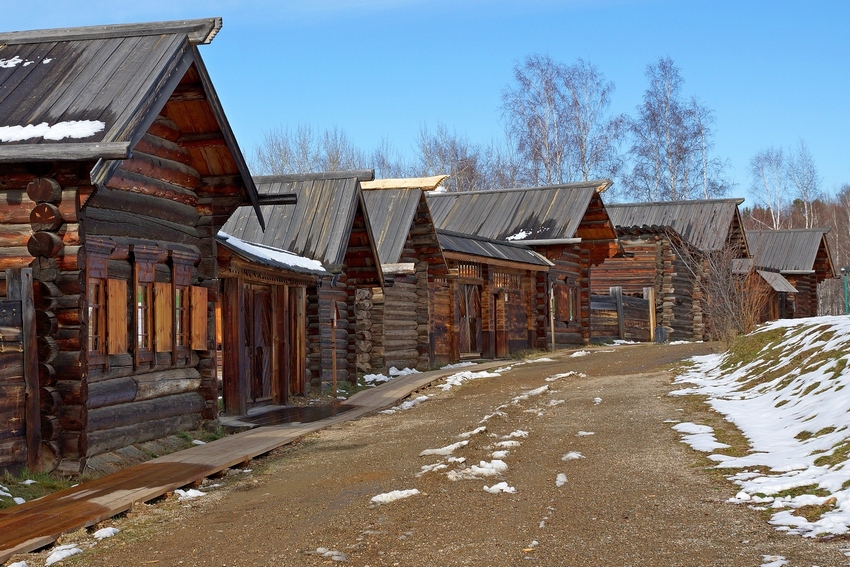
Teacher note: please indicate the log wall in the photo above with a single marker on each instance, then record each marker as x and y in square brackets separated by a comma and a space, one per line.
[571, 262]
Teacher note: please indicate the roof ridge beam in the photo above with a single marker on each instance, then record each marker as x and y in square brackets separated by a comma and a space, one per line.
[199, 31]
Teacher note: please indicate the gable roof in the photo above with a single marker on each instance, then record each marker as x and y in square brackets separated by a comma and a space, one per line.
[91, 93]
[317, 227]
[391, 213]
[792, 251]
[705, 224]
[272, 257]
[538, 213]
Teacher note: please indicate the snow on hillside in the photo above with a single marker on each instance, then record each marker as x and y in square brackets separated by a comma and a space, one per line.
[784, 388]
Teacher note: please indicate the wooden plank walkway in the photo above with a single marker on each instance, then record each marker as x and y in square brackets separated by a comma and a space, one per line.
[40, 522]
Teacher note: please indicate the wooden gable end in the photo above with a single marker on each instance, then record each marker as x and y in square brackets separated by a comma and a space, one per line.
[597, 232]
[361, 255]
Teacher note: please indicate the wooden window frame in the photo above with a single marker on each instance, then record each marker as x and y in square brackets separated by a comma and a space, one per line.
[117, 328]
[182, 263]
[94, 309]
[144, 275]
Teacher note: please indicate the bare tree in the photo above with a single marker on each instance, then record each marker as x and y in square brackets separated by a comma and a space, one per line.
[301, 151]
[444, 152]
[557, 116]
[671, 143]
[770, 183]
[804, 177]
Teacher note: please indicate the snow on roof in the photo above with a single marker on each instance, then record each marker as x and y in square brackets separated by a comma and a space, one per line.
[272, 256]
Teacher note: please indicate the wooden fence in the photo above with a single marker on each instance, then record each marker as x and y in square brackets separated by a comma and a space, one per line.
[20, 419]
[617, 316]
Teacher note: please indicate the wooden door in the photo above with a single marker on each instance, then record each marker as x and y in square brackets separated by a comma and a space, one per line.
[469, 319]
[258, 347]
[296, 340]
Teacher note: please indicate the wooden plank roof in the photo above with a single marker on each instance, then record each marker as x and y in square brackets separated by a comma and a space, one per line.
[487, 248]
[391, 213]
[317, 227]
[91, 93]
[705, 224]
[797, 251]
[538, 213]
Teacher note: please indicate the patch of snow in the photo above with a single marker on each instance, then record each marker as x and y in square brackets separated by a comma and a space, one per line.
[580, 353]
[500, 487]
[431, 468]
[490, 416]
[188, 494]
[29, 481]
[597, 400]
[461, 377]
[560, 480]
[518, 434]
[394, 495]
[276, 255]
[458, 365]
[18, 500]
[585, 433]
[499, 454]
[403, 372]
[105, 533]
[521, 235]
[62, 552]
[447, 450]
[507, 444]
[476, 431]
[699, 437]
[331, 554]
[773, 561]
[69, 129]
[526, 395]
[46, 60]
[376, 378]
[10, 63]
[406, 405]
[572, 456]
[534, 360]
[18, 564]
[198, 442]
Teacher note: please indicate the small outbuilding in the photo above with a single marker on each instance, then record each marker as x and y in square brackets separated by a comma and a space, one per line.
[329, 224]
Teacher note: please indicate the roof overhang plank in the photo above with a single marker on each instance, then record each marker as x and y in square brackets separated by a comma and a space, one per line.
[494, 261]
[64, 152]
[198, 31]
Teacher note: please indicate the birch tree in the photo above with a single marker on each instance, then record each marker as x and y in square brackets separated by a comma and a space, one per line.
[770, 183]
[804, 178]
[671, 143]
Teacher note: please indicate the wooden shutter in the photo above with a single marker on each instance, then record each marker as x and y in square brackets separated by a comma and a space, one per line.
[562, 302]
[199, 318]
[116, 316]
[163, 316]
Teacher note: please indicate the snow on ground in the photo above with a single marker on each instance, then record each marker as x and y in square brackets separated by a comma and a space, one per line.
[447, 450]
[467, 375]
[458, 365]
[500, 487]
[597, 400]
[406, 405]
[526, 395]
[560, 480]
[585, 433]
[394, 495]
[579, 353]
[104, 533]
[376, 378]
[773, 561]
[331, 554]
[476, 431]
[787, 399]
[403, 372]
[700, 437]
[188, 494]
[572, 456]
[62, 552]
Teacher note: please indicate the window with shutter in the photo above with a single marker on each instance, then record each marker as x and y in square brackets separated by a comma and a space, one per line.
[199, 317]
[116, 316]
[163, 309]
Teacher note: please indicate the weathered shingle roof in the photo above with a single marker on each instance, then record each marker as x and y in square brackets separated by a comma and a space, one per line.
[539, 213]
[317, 227]
[487, 248]
[272, 257]
[704, 224]
[391, 213]
[790, 251]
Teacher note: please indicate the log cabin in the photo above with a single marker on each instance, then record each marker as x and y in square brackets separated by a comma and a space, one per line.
[399, 333]
[662, 246]
[800, 256]
[117, 168]
[566, 224]
[263, 323]
[329, 224]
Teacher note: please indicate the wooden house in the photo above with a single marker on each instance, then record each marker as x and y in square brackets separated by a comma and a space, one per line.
[263, 323]
[117, 168]
[329, 224]
[398, 331]
[663, 245]
[488, 306]
[802, 257]
[566, 224]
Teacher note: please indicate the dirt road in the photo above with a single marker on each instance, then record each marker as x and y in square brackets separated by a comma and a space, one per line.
[637, 496]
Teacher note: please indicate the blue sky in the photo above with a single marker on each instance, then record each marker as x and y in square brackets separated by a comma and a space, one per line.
[773, 72]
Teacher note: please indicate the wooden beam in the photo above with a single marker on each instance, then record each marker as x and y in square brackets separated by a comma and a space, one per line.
[64, 152]
[197, 31]
[209, 140]
[494, 262]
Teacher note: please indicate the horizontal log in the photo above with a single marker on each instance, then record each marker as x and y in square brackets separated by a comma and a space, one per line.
[73, 392]
[72, 418]
[45, 295]
[48, 350]
[129, 181]
[50, 428]
[73, 443]
[144, 204]
[167, 383]
[50, 400]
[164, 148]
[106, 222]
[111, 392]
[47, 244]
[165, 128]
[112, 439]
[170, 171]
[67, 366]
[44, 189]
[137, 413]
[13, 452]
[45, 322]
[46, 374]
[45, 216]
